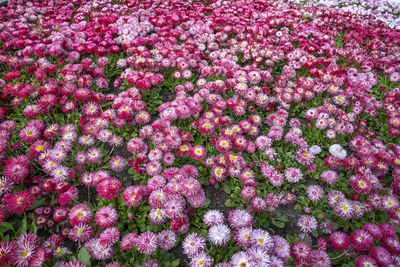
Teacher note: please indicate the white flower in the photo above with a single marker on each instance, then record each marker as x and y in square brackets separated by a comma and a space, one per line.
[338, 151]
[315, 149]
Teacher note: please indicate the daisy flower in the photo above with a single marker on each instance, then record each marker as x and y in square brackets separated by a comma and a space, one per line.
[382, 256]
[81, 233]
[168, 159]
[300, 250]
[128, 241]
[86, 140]
[29, 134]
[344, 209]
[133, 195]
[166, 239]
[198, 152]
[258, 204]
[338, 151]
[60, 173]
[315, 149]
[329, 176]
[242, 237]
[339, 241]
[153, 168]
[293, 175]
[281, 247]
[240, 258]
[147, 243]
[80, 158]
[197, 200]
[109, 236]
[201, 259]
[80, 214]
[16, 171]
[98, 251]
[193, 244]
[24, 249]
[218, 173]
[60, 214]
[315, 192]
[240, 218]
[307, 223]
[303, 157]
[147, 263]
[157, 216]
[219, 234]
[260, 238]
[115, 140]
[117, 163]
[276, 179]
[365, 260]
[223, 144]
[259, 256]
[93, 155]
[104, 135]
[390, 203]
[19, 202]
[142, 117]
[108, 188]
[206, 127]
[213, 217]
[319, 258]
[155, 155]
[156, 182]
[174, 207]
[331, 134]
[361, 240]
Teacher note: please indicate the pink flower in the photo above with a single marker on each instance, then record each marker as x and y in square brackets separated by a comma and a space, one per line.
[361, 240]
[133, 195]
[19, 202]
[339, 241]
[147, 243]
[109, 188]
[80, 214]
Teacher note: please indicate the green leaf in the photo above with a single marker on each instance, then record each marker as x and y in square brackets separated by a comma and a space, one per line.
[84, 256]
[5, 226]
[229, 203]
[278, 224]
[175, 263]
[137, 177]
[208, 202]
[284, 218]
[226, 188]
[314, 234]
[131, 171]
[203, 180]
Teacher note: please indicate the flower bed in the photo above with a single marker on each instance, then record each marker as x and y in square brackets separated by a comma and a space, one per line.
[212, 133]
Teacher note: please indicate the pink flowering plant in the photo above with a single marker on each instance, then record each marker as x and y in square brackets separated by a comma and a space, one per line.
[199, 133]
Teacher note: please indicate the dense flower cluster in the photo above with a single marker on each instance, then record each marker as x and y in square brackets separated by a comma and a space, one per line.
[119, 120]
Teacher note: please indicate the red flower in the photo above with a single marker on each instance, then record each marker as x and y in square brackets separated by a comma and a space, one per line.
[18, 202]
[40, 74]
[109, 188]
[12, 75]
[139, 164]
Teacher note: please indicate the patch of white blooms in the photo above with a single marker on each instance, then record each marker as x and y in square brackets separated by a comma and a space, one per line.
[129, 27]
[338, 151]
[315, 149]
[387, 11]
